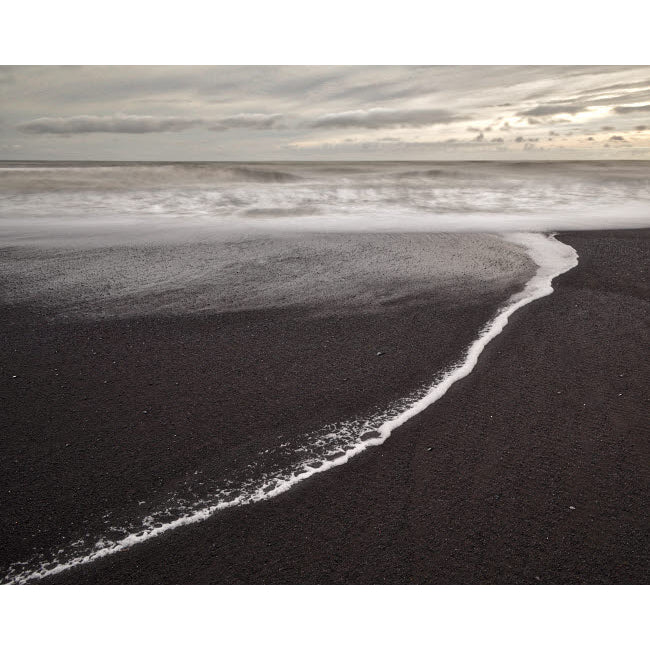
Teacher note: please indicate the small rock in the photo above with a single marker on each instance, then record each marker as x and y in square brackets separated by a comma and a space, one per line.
[379, 354]
[429, 448]
[572, 507]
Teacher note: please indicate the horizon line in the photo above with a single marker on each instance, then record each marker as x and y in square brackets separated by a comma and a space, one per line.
[337, 160]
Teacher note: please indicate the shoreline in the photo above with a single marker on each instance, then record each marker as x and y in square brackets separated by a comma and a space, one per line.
[225, 548]
[110, 421]
[552, 258]
[493, 503]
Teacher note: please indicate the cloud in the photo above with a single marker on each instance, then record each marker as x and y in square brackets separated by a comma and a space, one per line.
[479, 138]
[377, 118]
[107, 124]
[519, 139]
[545, 110]
[608, 100]
[629, 92]
[590, 138]
[138, 124]
[618, 138]
[631, 109]
[387, 90]
[627, 85]
[187, 111]
[607, 128]
[643, 127]
[248, 121]
[398, 143]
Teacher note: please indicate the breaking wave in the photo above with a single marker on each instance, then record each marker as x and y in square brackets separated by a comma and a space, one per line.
[40, 198]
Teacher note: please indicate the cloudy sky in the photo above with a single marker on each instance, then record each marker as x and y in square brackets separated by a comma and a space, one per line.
[324, 113]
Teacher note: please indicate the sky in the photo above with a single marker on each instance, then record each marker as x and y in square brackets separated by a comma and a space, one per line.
[324, 112]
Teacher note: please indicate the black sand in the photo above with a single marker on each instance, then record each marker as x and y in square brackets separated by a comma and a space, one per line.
[538, 469]
[115, 415]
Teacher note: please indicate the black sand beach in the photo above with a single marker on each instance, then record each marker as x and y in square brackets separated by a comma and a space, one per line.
[534, 469]
[113, 415]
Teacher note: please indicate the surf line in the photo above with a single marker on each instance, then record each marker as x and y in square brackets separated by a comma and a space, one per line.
[552, 257]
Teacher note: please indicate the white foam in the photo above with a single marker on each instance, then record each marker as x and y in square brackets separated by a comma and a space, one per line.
[552, 258]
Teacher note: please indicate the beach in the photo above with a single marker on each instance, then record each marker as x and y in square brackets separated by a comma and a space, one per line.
[533, 469]
[122, 423]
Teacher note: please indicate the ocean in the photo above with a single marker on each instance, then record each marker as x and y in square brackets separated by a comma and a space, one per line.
[39, 198]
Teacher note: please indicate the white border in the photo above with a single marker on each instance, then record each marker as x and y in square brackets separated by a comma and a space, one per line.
[333, 32]
[536, 617]
[337, 32]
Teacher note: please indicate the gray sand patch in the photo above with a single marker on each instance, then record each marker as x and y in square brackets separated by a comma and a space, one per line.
[354, 271]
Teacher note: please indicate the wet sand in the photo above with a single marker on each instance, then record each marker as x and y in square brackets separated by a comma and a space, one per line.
[106, 418]
[534, 469]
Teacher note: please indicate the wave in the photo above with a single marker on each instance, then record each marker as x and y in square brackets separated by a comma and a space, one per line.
[60, 203]
[334, 445]
[262, 175]
[140, 176]
[427, 174]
